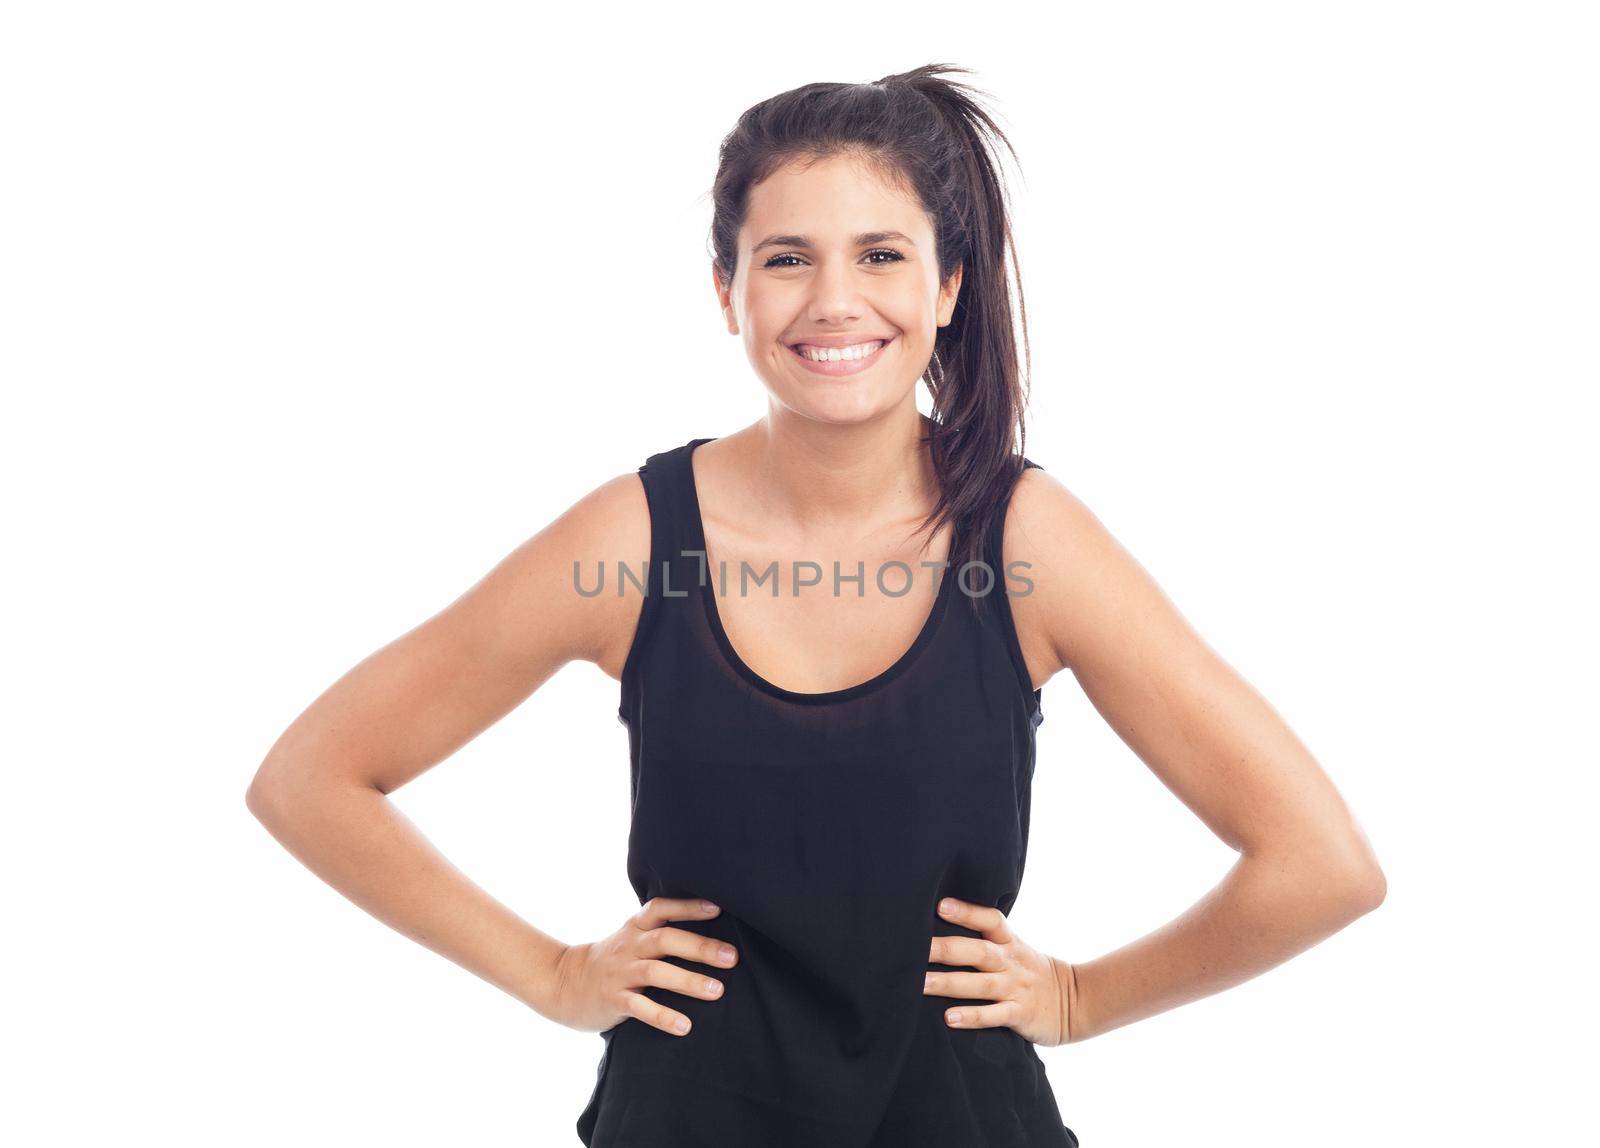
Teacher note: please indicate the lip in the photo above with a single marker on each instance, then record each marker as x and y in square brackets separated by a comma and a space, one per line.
[843, 366]
[839, 340]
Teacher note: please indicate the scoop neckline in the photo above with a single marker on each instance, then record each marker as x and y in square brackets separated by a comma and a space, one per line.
[708, 596]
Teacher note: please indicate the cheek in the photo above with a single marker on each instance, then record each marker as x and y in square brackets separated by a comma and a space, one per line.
[916, 334]
[916, 316]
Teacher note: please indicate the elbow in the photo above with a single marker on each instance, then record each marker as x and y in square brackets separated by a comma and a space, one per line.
[1365, 890]
[1346, 868]
[269, 798]
[1377, 888]
[259, 798]
[284, 795]
[1340, 877]
[1357, 881]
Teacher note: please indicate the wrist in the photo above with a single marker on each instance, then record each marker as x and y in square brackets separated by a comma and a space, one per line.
[1072, 1025]
[539, 977]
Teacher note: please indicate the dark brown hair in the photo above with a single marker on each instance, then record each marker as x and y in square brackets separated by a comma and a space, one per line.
[928, 135]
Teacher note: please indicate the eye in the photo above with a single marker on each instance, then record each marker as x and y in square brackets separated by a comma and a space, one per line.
[894, 257]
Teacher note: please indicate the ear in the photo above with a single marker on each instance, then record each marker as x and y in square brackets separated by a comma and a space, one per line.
[724, 299]
[947, 296]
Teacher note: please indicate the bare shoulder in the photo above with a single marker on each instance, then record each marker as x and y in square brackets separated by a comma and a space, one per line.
[1044, 516]
[1061, 563]
[425, 694]
[544, 604]
[566, 575]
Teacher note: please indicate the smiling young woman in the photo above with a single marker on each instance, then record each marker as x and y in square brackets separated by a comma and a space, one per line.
[831, 776]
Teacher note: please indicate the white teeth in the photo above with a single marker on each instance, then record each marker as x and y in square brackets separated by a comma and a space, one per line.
[835, 354]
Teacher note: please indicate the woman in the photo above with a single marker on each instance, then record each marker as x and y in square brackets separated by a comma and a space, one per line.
[831, 771]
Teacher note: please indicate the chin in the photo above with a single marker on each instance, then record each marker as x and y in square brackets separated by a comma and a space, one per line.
[840, 408]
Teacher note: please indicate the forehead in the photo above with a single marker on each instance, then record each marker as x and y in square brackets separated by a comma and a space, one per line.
[830, 199]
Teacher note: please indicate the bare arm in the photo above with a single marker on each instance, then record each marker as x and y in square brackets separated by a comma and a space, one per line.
[322, 790]
[1305, 869]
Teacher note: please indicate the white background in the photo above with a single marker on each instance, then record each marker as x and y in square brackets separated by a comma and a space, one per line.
[312, 312]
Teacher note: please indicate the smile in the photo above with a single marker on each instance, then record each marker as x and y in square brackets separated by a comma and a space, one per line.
[840, 360]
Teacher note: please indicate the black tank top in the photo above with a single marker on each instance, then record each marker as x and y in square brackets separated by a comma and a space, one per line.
[827, 826]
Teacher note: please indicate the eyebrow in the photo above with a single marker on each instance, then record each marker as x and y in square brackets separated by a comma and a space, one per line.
[862, 240]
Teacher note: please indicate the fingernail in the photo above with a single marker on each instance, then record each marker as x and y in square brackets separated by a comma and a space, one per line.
[681, 1024]
[953, 1016]
[947, 906]
[725, 953]
[708, 906]
[927, 981]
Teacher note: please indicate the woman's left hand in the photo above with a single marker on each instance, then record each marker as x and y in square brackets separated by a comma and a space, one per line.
[1032, 990]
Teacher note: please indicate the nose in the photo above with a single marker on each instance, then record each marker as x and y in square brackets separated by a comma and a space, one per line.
[835, 294]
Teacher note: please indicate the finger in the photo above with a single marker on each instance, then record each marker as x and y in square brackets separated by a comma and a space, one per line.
[668, 941]
[968, 986]
[656, 1015]
[678, 979]
[986, 919]
[979, 952]
[659, 910]
[999, 1015]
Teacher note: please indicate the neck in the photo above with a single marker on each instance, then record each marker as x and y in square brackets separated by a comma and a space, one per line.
[825, 476]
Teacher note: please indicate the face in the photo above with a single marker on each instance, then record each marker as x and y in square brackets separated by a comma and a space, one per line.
[830, 255]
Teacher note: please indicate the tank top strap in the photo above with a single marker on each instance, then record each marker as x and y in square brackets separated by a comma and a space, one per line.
[675, 563]
[1009, 582]
[996, 536]
[668, 484]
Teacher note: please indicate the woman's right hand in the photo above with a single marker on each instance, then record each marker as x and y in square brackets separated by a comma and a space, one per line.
[597, 982]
